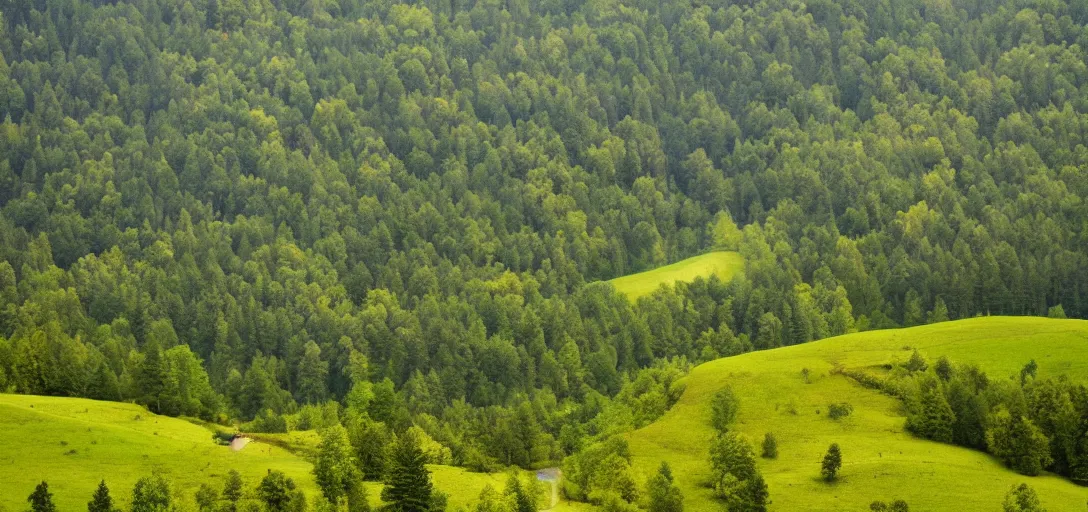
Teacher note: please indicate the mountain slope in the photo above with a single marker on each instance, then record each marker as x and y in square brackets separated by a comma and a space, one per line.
[881, 460]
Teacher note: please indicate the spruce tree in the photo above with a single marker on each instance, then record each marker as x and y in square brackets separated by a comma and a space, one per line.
[521, 497]
[662, 495]
[832, 462]
[408, 487]
[41, 500]
[101, 501]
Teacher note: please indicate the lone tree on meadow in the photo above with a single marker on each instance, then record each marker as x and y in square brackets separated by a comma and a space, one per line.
[1022, 498]
[723, 410]
[41, 500]
[101, 501]
[408, 487]
[832, 462]
[770, 446]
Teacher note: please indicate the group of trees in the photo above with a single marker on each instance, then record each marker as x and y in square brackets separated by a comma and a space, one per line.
[1032, 424]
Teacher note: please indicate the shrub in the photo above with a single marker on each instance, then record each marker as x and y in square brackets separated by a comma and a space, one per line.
[839, 410]
[770, 446]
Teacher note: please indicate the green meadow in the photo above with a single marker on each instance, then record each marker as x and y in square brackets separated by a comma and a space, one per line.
[73, 443]
[724, 264]
[880, 460]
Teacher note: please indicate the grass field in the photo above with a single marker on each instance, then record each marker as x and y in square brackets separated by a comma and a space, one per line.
[723, 264]
[880, 460]
[73, 443]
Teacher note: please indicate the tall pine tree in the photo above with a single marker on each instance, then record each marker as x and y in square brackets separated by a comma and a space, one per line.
[408, 488]
[41, 500]
[101, 501]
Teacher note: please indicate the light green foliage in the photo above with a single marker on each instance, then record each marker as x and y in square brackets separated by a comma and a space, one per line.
[724, 265]
[151, 494]
[276, 490]
[662, 495]
[335, 470]
[881, 458]
[1022, 498]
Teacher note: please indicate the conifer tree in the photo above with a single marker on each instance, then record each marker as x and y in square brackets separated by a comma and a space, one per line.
[832, 463]
[408, 487]
[41, 500]
[101, 501]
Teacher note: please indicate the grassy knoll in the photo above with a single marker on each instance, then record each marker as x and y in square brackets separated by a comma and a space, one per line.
[724, 264]
[881, 461]
[73, 443]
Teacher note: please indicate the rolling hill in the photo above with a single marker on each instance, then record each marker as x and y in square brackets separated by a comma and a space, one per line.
[724, 264]
[73, 443]
[881, 460]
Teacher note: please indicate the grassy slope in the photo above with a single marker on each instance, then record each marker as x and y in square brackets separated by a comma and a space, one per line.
[723, 264]
[111, 443]
[881, 461]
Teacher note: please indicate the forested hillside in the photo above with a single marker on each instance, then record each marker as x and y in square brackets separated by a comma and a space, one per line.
[232, 208]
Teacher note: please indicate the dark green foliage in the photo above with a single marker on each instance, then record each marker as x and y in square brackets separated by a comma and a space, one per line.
[1022, 498]
[932, 417]
[832, 462]
[217, 208]
[371, 441]
[151, 494]
[206, 498]
[737, 481]
[41, 500]
[521, 495]
[916, 363]
[101, 500]
[1028, 372]
[408, 484]
[770, 446]
[1018, 442]
[839, 410]
[895, 506]
[276, 491]
[723, 409]
[662, 495]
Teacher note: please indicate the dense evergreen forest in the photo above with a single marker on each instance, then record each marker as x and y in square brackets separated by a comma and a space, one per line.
[240, 208]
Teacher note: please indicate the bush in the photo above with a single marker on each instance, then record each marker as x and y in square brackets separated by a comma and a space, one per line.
[770, 446]
[839, 410]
